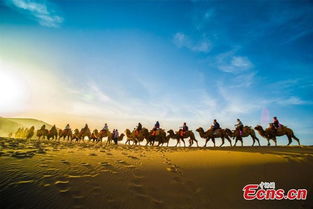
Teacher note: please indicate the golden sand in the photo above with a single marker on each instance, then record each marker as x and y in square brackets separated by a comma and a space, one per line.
[86, 175]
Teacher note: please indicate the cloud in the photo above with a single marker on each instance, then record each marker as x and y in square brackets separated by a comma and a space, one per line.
[227, 62]
[293, 100]
[41, 11]
[183, 41]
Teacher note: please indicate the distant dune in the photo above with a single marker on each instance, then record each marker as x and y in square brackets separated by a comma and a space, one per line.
[8, 125]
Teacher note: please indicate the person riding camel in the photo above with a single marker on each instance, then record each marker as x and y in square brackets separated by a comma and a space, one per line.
[106, 127]
[239, 127]
[156, 127]
[184, 129]
[43, 127]
[138, 129]
[67, 127]
[275, 125]
[216, 125]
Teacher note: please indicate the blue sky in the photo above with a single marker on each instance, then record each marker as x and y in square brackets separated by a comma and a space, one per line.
[128, 61]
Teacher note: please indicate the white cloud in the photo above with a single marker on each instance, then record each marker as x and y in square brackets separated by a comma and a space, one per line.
[181, 40]
[293, 100]
[233, 64]
[38, 10]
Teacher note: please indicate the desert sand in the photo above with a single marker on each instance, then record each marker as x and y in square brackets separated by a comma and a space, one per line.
[50, 174]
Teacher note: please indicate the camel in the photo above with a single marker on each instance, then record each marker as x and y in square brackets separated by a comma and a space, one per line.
[75, 135]
[85, 132]
[179, 137]
[210, 134]
[130, 137]
[270, 134]
[137, 137]
[30, 132]
[65, 133]
[247, 131]
[102, 134]
[53, 133]
[42, 132]
[160, 137]
[94, 135]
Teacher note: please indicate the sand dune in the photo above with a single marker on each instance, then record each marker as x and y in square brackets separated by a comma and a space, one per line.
[86, 175]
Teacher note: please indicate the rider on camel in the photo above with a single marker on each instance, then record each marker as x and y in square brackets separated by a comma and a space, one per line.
[184, 129]
[139, 128]
[43, 127]
[86, 127]
[216, 125]
[239, 126]
[106, 127]
[275, 124]
[67, 127]
[156, 127]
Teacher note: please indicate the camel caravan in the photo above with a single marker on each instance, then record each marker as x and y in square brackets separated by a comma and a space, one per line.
[160, 137]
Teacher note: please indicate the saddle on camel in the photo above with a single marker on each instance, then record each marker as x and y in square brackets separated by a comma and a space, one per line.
[182, 131]
[156, 129]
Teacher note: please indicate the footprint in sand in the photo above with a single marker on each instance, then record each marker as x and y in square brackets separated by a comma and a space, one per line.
[136, 188]
[63, 185]
[106, 164]
[122, 162]
[133, 157]
[24, 182]
[85, 164]
[174, 169]
[65, 162]
[96, 190]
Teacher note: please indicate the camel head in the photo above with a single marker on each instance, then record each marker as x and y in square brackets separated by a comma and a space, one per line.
[259, 128]
[171, 132]
[120, 138]
[200, 129]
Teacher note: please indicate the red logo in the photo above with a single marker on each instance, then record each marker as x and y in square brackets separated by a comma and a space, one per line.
[267, 191]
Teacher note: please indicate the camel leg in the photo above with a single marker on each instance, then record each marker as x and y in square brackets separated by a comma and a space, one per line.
[229, 140]
[184, 142]
[197, 142]
[241, 141]
[289, 140]
[275, 140]
[257, 139]
[177, 142]
[206, 141]
[213, 140]
[223, 141]
[295, 138]
[235, 142]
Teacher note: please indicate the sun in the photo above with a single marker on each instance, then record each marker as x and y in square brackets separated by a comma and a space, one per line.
[12, 91]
